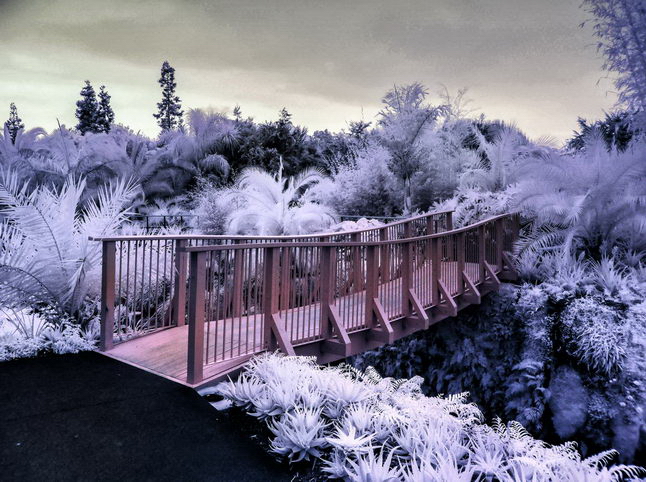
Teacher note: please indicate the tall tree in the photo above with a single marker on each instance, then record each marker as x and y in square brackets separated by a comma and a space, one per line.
[405, 118]
[105, 114]
[620, 26]
[169, 110]
[87, 110]
[14, 123]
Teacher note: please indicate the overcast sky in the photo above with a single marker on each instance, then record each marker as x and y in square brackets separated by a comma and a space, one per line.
[327, 61]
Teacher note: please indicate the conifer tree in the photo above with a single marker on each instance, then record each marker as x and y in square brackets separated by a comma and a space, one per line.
[87, 110]
[104, 110]
[14, 123]
[169, 110]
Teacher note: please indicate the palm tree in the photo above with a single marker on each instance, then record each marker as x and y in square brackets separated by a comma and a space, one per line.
[591, 202]
[15, 153]
[496, 167]
[181, 157]
[45, 253]
[266, 205]
[404, 121]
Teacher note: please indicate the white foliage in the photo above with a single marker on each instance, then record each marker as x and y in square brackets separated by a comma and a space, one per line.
[24, 334]
[380, 429]
[261, 204]
[45, 251]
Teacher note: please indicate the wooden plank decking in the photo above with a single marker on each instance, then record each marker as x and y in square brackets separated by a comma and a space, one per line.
[328, 297]
[165, 352]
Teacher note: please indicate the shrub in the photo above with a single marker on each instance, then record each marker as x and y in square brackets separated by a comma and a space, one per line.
[594, 335]
[387, 429]
[45, 251]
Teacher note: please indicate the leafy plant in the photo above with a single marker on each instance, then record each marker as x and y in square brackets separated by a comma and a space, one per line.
[45, 251]
[266, 205]
[394, 433]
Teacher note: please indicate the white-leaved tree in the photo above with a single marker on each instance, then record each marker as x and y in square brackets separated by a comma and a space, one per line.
[590, 203]
[264, 204]
[620, 26]
[45, 252]
[404, 121]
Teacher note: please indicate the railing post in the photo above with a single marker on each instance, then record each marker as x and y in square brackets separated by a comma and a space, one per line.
[285, 279]
[357, 271]
[406, 270]
[449, 220]
[499, 240]
[178, 309]
[385, 255]
[107, 295]
[461, 250]
[481, 253]
[238, 278]
[436, 270]
[326, 293]
[197, 284]
[372, 284]
[270, 290]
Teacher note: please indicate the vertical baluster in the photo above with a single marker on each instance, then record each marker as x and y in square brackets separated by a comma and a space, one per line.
[178, 317]
[481, 253]
[195, 358]
[406, 271]
[372, 284]
[270, 293]
[107, 295]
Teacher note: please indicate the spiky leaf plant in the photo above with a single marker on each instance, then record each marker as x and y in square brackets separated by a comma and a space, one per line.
[264, 204]
[45, 251]
[393, 432]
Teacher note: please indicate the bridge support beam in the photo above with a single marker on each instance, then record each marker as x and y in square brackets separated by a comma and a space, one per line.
[341, 345]
[278, 337]
[472, 295]
[421, 320]
[508, 272]
[493, 277]
[383, 333]
[449, 307]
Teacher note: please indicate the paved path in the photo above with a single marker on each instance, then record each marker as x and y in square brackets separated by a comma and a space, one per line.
[88, 417]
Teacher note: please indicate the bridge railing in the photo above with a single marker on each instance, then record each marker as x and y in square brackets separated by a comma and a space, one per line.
[245, 298]
[145, 278]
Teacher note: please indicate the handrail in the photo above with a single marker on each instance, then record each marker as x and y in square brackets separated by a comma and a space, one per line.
[218, 247]
[261, 238]
[304, 294]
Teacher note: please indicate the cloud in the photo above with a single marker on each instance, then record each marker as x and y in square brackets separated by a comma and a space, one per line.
[323, 60]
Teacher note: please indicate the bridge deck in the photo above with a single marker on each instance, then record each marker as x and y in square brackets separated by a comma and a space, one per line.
[328, 295]
[165, 352]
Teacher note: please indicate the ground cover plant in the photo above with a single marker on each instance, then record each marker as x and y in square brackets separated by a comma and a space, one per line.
[359, 426]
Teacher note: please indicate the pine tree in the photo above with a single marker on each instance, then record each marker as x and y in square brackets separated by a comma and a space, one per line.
[87, 110]
[169, 114]
[105, 116]
[14, 123]
[237, 113]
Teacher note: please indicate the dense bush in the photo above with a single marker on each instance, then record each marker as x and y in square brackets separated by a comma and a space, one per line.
[361, 427]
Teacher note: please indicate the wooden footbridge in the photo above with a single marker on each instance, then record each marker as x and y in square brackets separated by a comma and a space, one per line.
[195, 308]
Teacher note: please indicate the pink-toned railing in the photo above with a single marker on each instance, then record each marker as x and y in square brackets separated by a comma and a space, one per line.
[144, 278]
[246, 298]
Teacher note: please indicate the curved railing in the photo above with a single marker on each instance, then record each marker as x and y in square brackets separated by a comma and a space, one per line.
[329, 295]
[144, 277]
